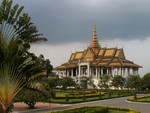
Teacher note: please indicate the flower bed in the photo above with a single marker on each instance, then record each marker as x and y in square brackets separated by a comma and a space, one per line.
[95, 109]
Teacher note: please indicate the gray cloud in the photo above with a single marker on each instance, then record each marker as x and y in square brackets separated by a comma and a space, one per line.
[63, 21]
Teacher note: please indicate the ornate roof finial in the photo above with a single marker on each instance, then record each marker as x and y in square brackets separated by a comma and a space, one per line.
[94, 42]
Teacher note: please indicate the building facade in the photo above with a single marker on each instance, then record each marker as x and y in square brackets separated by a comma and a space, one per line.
[96, 61]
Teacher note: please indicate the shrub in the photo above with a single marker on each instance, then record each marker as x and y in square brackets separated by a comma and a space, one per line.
[67, 98]
[100, 95]
[84, 97]
[140, 99]
[77, 96]
[109, 94]
[98, 110]
[95, 109]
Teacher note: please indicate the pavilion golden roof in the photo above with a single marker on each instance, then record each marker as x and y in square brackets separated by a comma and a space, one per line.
[97, 56]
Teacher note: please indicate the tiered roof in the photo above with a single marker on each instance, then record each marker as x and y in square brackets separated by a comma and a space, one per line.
[97, 56]
[94, 42]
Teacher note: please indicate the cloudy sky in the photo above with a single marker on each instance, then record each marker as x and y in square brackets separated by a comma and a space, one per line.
[68, 26]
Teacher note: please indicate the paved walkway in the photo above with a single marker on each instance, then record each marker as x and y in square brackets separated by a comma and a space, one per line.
[119, 102]
[23, 108]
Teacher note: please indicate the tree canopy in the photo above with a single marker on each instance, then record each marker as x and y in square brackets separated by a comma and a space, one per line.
[104, 81]
[118, 81]
[146, 81]
[12, 23]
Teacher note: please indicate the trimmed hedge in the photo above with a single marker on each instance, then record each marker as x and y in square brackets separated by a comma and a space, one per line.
[140, 99]
[95, 109]
[84, 110]
[77, 96]
[128, 110]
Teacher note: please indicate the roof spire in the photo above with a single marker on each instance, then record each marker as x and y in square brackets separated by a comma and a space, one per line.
[94, 42]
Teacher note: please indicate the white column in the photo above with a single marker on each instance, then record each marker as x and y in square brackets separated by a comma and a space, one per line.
[101, 71]
[107, 71]
[123, 72]
[120, 73]
[91, 71]
[128, 71]
[132, 70]
[117, 71]
[66, 72]
[136, 71]
[112, 71]
[88, 70]
[96, 73]
[76, 71]
[79, 71]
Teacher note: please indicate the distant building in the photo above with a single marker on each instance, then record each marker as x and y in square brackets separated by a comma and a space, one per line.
[96, 61]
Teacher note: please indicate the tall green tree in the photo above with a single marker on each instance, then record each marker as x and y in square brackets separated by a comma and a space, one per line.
[66, 82]
[104, 81]
[48, 67]
[146, 81]
[118, 81]
[52, 81]
[134, 82]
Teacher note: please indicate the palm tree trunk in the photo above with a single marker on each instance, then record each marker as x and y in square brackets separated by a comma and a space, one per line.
[3, 108]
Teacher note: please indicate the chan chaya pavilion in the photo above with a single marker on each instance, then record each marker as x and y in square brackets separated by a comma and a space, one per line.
[96, 61]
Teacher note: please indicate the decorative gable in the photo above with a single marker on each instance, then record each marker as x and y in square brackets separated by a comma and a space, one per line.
[120, 54]
[72, 56]
[89, 54]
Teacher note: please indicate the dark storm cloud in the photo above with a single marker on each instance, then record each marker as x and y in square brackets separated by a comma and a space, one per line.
[63, 21]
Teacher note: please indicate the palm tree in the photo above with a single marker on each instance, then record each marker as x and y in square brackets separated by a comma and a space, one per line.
[18, 69]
